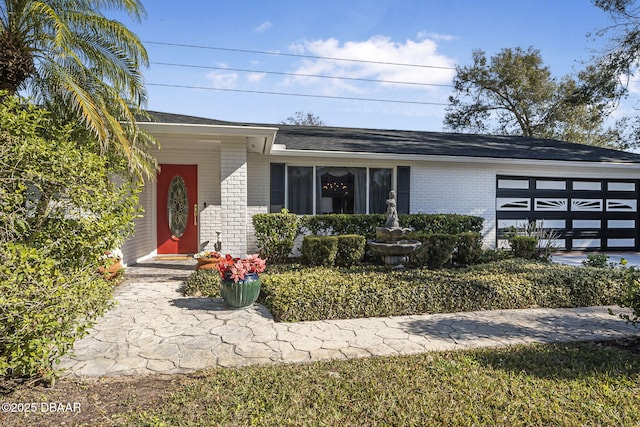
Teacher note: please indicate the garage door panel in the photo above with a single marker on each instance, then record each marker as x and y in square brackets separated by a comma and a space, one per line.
[583, 213]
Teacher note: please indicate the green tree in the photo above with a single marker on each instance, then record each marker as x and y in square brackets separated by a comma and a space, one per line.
[514, 93]
[300, 118]
[81, 65]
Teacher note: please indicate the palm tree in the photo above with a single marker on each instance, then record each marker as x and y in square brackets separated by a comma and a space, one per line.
[73, 60]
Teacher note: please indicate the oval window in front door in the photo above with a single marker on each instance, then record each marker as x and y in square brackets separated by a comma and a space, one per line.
[177, 206]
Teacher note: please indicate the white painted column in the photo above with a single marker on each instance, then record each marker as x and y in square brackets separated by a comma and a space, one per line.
[233, 197]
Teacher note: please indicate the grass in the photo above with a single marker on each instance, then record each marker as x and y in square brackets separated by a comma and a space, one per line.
[537, 385]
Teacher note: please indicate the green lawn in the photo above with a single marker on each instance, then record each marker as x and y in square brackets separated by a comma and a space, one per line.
[539, 385]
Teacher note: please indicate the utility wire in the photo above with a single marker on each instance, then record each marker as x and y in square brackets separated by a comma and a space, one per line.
[298, 74]
[297, 94]
[262, 52]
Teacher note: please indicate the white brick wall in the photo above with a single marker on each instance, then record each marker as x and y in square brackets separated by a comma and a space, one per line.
[460, 188]
[234, 185]
[233, 198]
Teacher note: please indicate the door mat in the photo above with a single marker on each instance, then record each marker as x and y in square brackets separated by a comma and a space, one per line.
[173, 258]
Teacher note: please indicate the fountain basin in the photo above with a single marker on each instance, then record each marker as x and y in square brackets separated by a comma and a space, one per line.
[400, 247]
[391, 235]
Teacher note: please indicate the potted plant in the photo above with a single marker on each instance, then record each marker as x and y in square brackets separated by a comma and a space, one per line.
[240, 284]
[207, 260]
[111, 264]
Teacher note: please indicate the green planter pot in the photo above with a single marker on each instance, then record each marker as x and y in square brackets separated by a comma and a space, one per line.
[242, 293]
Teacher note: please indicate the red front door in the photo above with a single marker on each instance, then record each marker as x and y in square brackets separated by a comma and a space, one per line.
[178, 209]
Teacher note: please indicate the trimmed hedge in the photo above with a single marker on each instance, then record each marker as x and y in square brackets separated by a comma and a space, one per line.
[276, 233]
[524, 246]
[319, 250]
[344, 250]
[468, 248]
[436, 249]
[351, 248]
[365, 224]
[329, 293]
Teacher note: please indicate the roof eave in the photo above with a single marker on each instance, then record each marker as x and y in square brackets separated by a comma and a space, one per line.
[279, 150]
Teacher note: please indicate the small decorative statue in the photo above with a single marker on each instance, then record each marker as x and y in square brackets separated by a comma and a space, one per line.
[392, 212]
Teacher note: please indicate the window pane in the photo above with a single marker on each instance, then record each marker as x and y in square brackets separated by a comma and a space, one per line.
[379, 188]
[341, 190]
[300, 179]
[277, 187]
[404, 188]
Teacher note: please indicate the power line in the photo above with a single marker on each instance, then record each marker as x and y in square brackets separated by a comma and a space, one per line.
[299, 74]
[297, 94]
[295, 55]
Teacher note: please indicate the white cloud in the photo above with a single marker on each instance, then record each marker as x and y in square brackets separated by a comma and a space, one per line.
[379, 52]
[435, 36]
[262, 27]
[255, 77]
[223, 79]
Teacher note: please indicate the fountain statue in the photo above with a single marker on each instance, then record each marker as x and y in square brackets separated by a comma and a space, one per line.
[390, 241]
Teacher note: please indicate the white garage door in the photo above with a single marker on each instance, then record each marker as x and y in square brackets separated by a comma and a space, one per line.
[586, 214]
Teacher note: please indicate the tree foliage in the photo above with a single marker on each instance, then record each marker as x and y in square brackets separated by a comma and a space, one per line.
[81, 65]
[514, 93]
[61, 208]
[300, 118]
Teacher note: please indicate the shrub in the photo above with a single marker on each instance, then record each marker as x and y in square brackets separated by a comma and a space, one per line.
[631, 299]
[436, 249]
[468, 248]
[351, 248]
[524, 246]
[276, 233]
[319, 250]
[328, 293]
[596, 260]
[365, 224]
[205, 282]
[64, 202]
[44, 308]
[442, 223]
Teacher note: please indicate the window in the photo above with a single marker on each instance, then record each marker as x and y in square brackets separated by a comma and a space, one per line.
[341, 190]
[277, 187]
[379, 188]
[300, 183]
[349, 190]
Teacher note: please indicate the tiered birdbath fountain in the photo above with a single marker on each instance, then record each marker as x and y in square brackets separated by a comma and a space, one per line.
[390, 241]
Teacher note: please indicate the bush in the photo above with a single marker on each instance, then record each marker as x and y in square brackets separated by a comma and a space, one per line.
[631, 299]
[351, 248]
[64, 202]
[319, 250]
[596, 260]
[442, 223]
[276, 233]
[436, 249]
[365, 224]
[328, 293]
[203, 283]
[468, 248]
[524, 246]
[44, 308]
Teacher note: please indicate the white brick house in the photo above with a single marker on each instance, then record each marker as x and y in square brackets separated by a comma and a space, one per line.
[216, 175]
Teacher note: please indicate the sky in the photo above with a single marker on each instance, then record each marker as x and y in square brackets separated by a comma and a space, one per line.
[216, 59]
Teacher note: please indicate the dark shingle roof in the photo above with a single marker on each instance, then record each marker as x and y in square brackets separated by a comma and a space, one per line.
[325, 138]
[444, 144]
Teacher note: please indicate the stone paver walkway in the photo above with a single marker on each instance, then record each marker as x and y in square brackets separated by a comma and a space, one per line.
[154, 329]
